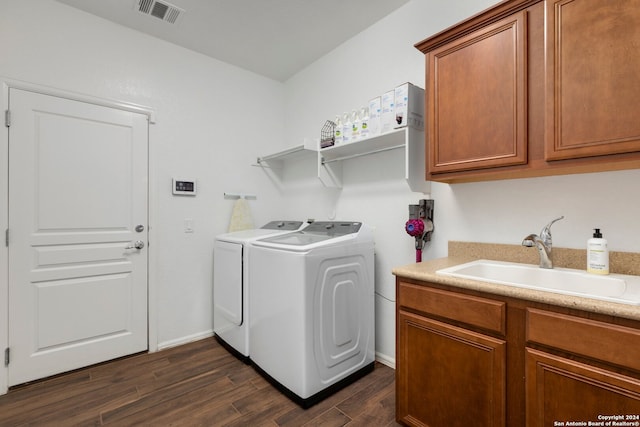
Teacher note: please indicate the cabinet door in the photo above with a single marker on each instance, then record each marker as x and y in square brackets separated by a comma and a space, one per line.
[448, 376]
[592, 85]
[561, 390]
[477, 99]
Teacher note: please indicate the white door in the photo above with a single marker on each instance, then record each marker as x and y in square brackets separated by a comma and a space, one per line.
[77, 205]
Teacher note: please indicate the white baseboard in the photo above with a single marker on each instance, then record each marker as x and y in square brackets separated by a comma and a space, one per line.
[386, 360]
[185, 340]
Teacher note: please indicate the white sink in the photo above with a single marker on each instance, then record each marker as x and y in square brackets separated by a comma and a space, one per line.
[614, 287]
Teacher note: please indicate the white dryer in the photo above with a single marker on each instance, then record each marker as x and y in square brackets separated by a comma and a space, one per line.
[312, 308]
[231, 284]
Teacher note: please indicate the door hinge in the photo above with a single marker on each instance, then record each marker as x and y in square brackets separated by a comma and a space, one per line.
[7, 118]
[6, 356]
[6, 237]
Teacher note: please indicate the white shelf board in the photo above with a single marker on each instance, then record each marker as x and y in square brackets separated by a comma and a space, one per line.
[362, 147]
[411, 140]
[309, 146]
[330, 159]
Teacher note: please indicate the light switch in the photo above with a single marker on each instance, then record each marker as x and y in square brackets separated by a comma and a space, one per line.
[188, 225]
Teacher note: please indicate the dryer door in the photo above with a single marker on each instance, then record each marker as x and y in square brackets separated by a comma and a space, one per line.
[227, 285]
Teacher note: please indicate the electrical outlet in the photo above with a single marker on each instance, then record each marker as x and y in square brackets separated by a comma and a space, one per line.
[188, 225]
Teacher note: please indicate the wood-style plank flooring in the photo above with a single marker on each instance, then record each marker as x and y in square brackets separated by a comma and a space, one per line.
[197, 384]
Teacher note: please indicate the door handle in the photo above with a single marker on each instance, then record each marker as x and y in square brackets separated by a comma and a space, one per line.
[138, 244]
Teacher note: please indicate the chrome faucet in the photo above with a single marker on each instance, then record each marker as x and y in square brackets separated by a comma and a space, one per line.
[542, 243]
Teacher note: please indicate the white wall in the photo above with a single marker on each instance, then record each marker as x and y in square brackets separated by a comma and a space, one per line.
[377, 60]
[213, 120]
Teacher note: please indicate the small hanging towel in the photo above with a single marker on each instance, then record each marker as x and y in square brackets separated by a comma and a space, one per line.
[241, 216]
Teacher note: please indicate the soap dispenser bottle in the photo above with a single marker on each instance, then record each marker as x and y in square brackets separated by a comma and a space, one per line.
[597, 254]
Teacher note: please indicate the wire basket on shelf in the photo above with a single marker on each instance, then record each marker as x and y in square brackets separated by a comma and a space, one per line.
[327, 134]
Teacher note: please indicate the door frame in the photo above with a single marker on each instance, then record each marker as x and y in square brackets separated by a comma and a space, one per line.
[7, 84]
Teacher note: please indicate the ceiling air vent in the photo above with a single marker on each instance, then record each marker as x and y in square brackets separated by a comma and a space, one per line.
[160, 9]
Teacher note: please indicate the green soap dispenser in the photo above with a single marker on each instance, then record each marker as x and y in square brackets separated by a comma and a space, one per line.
[597, 254]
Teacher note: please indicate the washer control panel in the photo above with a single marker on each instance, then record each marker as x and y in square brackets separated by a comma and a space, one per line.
[333, 228]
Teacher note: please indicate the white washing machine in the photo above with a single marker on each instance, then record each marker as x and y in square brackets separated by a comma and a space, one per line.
[231, 284]
[312, 308]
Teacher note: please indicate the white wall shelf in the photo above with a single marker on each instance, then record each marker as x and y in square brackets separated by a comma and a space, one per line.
[410, 140]
[274, 164]
[330, 159]
[276, 160]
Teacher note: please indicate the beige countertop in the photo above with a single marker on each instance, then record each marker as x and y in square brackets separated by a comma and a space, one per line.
[462, 252]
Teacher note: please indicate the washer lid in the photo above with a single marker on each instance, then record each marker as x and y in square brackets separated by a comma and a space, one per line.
[297, 239]
[272, 228]
[316, 232]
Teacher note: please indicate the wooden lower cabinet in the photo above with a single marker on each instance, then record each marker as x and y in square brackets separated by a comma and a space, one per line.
[469, 358]
[449, 376]
[561, 390]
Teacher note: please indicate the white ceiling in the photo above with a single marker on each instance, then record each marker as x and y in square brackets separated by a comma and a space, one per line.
[274, 38]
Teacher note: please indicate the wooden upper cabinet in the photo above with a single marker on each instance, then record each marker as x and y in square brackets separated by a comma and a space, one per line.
[534, 88]
[592, 78]
[477, 98]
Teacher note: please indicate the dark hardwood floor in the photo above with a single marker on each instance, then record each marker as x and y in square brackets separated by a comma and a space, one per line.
[197, 384]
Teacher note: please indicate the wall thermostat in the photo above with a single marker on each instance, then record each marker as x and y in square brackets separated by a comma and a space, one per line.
[184, 187]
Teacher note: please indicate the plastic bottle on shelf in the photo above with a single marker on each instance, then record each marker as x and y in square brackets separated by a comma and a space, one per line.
[337, 131]
[364, 122]
[355, 126]
[346, 128]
